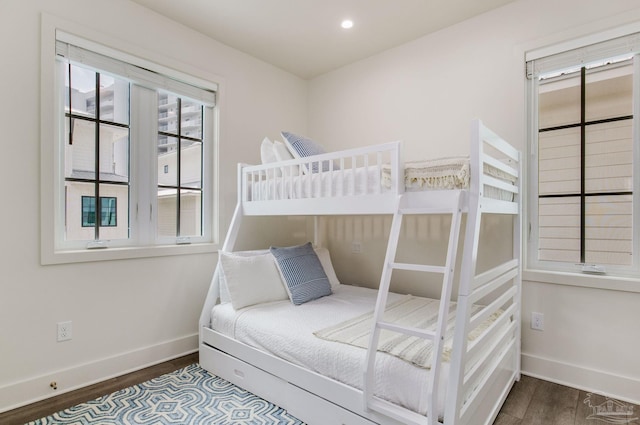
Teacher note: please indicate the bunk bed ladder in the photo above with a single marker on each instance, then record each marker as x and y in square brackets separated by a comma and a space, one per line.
[436, 336]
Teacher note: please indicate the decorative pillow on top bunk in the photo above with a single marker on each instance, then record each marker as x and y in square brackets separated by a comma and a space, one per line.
[302, 147]
[268, 156]
[281, 153]
[302, 273]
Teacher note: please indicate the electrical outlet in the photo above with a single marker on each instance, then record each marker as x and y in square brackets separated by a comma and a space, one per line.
[537, 321]
[356, 247]
[64, 331]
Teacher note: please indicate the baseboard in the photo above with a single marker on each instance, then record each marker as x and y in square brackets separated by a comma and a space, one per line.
[620, 387]
[35, 389]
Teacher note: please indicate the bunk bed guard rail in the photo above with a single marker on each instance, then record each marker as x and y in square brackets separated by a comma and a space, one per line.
[348, 182]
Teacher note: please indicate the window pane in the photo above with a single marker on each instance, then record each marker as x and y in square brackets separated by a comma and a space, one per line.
[108, 211]
[168, 113]
[191, 119]
[559, 228]
[114, 153]
[80, 155]
[114, 99]
[559, 162]
[609, 229]
[191, 164]
[88, 211]
[114, 200]
[167, 161]
[609, 157]
[559, 102]
[167, 212]
[83, 91]
[609, 92]
[190, 213]
[79, 211]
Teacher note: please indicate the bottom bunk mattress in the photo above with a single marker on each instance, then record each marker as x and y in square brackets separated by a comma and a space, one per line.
[288, 331]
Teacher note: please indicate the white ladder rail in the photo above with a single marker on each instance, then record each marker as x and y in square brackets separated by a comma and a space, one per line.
[383, 291]
[436, 336]
[469, 261]
[474, 286]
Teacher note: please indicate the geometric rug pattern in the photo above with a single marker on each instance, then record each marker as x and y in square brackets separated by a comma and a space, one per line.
[188, 396]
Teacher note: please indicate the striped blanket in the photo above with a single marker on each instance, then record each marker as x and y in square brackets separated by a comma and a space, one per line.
[409, 311]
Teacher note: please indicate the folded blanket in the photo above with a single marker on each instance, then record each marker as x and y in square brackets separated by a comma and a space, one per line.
[441, 173]
[409, 311]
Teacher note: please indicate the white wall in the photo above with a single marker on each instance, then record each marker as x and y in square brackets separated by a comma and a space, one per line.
[426, 93]
[130, 313]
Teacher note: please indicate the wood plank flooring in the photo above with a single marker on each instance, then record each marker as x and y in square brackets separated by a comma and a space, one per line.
[537, 402]
[530, 402]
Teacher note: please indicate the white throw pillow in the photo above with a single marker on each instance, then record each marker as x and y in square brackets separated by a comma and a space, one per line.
[251, 279]
[224, 290]
[325, 260]
[283, 154]
[267, 154]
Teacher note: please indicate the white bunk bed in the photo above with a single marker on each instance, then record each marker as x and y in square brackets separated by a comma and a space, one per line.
[471, 386]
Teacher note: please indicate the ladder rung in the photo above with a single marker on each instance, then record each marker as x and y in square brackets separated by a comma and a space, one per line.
[418, 267]
[407, 330]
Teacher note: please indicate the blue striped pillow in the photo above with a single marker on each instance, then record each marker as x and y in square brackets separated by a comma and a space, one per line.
[302, 271]
[302, 147]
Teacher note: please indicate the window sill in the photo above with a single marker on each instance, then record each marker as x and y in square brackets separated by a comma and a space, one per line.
[125, 253]
[611, 283]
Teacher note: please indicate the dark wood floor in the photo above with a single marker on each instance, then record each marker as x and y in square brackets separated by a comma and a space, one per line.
[47, 407]
[531, 401]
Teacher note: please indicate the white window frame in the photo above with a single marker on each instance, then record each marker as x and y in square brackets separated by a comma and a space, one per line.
[142, 241]
[622, 279]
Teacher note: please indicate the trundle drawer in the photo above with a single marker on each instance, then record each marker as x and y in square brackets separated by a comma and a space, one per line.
[318, 411]
[245, 376]
[297, 401]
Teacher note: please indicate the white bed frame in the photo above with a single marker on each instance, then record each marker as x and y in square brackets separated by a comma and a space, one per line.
[475, 392]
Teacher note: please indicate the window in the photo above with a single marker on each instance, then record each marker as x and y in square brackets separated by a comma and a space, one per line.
[139, 138]
[179, 145]
[583, 204]
[107, 211]
[96, 148]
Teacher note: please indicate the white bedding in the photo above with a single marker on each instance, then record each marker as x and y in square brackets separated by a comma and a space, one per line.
[286, 330]
[347, 182]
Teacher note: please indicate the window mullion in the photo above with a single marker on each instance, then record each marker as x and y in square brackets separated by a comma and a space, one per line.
[144, 175]
[583, 145]
[178, 165]
[97, 206]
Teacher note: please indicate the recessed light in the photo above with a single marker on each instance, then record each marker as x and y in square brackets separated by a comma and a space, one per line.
[346, 24]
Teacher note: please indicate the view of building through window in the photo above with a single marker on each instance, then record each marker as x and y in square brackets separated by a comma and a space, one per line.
[179, 166]
[96, 154]
[585, 165]
[97, 159]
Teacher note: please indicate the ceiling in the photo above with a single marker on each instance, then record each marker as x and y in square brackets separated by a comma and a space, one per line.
[304, 37]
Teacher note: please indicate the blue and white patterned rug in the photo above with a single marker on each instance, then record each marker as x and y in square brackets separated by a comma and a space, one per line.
[189, 396]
